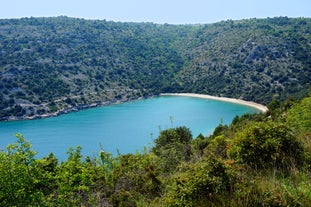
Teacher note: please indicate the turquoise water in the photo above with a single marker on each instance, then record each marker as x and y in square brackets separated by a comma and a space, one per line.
[124, 127]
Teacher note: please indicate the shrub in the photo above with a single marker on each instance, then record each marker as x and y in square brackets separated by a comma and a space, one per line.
[199, 183]
[266, 145]
[299, 116]
[173, 146]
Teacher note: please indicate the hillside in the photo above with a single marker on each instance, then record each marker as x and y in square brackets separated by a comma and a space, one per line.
[50, 66]
[253, 59]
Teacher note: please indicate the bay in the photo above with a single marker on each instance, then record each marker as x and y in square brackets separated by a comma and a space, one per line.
[121, 128]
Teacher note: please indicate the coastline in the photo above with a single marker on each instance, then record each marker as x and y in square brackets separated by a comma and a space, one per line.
[71, 109]
[258, 106]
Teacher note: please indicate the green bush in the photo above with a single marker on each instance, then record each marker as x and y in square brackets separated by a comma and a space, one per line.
[218, 146]
[172, 147]
[199, 183]
[299, 116]
[266, 145]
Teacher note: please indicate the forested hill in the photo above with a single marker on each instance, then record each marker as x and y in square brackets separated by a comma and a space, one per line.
[257, 59]
[54, 65]
[50, 64]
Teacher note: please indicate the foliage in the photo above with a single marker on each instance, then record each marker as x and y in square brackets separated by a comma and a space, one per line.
[173, 146]
[257, 160]
[197, 184]
[198, 145]
[256, 59]
[218, 146]
[55, 65]
[73, 181]
[136, 175]
[271, 190]
[18, 176]
[299, 116]
[266, 145]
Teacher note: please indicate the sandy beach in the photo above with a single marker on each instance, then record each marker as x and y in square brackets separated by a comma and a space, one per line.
[232, 100]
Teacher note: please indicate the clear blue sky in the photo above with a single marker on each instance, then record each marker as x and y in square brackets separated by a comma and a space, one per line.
[157, 11]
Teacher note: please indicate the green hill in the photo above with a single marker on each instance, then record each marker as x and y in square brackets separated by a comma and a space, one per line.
[50, 66]
[251, 59]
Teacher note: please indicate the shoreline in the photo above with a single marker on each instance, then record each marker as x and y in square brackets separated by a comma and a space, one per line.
[258, 106]
[72, 109]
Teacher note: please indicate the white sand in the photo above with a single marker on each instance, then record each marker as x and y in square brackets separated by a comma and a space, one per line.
[232, 100]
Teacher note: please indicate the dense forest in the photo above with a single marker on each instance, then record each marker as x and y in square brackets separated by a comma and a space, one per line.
[50, 66]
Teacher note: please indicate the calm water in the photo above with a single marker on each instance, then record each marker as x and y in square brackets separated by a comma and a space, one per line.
[125, 127]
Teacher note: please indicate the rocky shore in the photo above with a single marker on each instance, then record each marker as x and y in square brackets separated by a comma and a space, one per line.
[70, 109]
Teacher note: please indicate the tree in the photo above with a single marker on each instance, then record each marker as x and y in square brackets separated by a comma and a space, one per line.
[18, 175]
[173, 146]
[74, 181]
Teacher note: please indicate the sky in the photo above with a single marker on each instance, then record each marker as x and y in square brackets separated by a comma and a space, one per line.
[157, 11]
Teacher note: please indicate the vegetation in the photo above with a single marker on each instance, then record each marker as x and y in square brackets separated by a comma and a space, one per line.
[257, 160]
[258, 60]
[50, 66]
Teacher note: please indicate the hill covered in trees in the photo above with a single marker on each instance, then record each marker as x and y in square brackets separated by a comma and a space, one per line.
[50, 66]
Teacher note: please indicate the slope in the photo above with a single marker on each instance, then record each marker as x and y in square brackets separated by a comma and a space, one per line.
[257, 59]
[50, 66]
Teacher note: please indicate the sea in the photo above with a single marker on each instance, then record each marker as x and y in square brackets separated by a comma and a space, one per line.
[121, 128]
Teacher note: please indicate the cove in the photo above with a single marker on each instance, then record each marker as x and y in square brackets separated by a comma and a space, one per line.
[121, 128]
